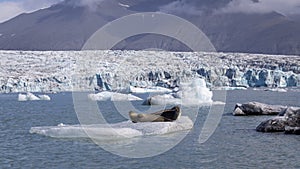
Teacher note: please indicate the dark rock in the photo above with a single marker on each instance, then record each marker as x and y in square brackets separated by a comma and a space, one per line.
[289, 123]
[256, 108]
[273, 125]
[292, 130]
[292, 115]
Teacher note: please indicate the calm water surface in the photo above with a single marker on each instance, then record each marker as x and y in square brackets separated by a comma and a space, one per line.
[235, 143]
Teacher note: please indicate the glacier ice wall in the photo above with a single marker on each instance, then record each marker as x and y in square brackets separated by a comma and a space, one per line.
[56, 71]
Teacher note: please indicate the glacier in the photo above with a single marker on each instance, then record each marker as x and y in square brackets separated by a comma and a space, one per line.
[63, 71]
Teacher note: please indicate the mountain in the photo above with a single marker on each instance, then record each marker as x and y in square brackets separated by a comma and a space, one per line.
[67, 26]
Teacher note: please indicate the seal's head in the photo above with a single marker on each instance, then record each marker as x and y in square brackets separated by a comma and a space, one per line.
[133, 116]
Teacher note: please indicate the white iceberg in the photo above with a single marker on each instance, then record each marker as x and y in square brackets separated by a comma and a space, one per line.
[122, 130]
[22, 97]
[163, 100]
[28, 97]
[230, 88]
[194, 93]
[44, 97]
[276, 89]
[31, 97]
[154, 89]
[113, 96]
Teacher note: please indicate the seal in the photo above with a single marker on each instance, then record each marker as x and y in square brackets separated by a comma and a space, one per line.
[167, 115]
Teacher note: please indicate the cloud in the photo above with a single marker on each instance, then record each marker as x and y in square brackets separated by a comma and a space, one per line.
[11, 9]
[285, 7]
[180, 7]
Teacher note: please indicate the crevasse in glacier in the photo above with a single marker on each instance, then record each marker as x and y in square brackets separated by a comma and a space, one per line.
[56, 71]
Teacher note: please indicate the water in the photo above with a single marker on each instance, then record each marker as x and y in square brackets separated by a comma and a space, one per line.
[235, 143]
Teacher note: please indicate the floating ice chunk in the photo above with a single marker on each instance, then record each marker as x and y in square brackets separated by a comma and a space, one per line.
[44, 97]
[163, 100]
[31, 96]
[113, 96]
[124, 97]
[168, 99]
[218, 103]
[155, 89]
[277, 90]
[27, 97]
[102, 96]
[194, 93]
[77, 131]
[115, 131]
[22, 97]
[230, 88]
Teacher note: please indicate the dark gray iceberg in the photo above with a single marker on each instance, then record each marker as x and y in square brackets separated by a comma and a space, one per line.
[276, 124]
[287, 119]
[288, 123]
[256, 108]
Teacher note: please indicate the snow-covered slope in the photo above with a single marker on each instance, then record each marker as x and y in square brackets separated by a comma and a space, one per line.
[88, 70]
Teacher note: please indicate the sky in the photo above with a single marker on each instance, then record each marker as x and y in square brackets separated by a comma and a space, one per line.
[12, 8]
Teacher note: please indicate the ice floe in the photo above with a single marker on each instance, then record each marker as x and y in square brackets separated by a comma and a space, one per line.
[116, 131]
[113, 96]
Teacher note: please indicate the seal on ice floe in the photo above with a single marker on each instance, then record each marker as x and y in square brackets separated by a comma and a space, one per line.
[167, 115]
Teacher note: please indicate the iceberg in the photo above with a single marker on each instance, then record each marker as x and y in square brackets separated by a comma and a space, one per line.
[154, 89]
[193, 93]
[276, 89]
[22, 97]
[230, 88]
[28, 97]
[257, 108]
[163, 100]
[117, 131]
[31, 97]
[113, 96]
[44, 97]
[288, 122]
